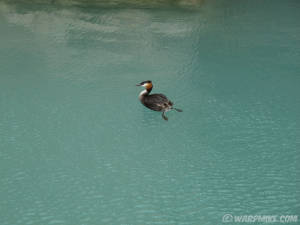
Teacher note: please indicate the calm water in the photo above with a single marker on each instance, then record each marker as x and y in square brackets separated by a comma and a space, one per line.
[77, 147]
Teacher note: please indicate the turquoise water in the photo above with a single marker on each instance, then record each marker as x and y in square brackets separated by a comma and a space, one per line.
[77, 147]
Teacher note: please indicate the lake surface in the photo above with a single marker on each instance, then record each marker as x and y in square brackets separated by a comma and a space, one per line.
[77, 147]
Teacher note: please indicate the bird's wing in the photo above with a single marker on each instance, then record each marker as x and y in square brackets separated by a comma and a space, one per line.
[157, 102]
[163, 99]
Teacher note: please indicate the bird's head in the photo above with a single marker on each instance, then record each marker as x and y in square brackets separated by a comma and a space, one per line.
[146, 84]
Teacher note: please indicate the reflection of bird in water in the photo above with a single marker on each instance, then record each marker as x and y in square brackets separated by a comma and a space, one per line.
[156, 102]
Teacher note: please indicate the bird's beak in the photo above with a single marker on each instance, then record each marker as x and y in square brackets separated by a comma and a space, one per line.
[138, 85]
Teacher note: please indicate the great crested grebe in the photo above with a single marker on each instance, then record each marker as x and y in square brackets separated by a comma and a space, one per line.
[156, 102]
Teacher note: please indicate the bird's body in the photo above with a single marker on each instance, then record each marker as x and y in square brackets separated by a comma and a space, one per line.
[156, 102]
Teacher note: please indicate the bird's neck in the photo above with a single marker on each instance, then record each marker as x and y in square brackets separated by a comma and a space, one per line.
[145, 93]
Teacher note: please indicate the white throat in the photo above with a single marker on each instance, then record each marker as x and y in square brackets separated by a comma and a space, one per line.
[143, 93]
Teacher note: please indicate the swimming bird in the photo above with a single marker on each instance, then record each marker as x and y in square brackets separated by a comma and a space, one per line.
[156, 102]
